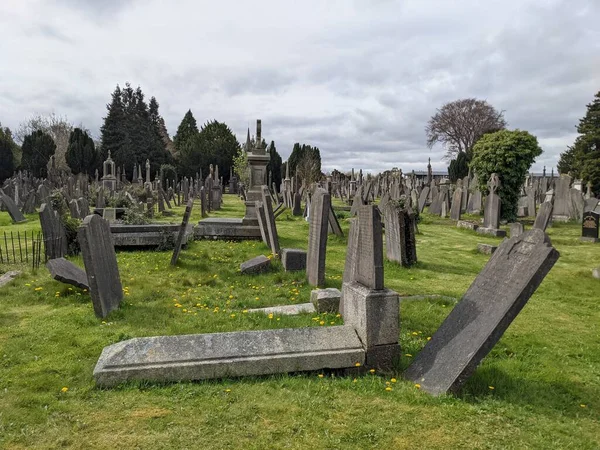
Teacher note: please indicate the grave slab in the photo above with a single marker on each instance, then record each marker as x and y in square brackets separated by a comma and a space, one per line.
[286, 310]
[219, 355]
[479, 320]
[255, 265]
[326, 300]
[66, 272]
[486, 249]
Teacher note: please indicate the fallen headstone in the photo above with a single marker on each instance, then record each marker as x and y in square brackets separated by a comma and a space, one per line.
[467, 225]
[7, 277]
[478, 321]
[293, 259]
[217, 355]
[286, 310]
[543, 216]
[66, 272]
[486, 249]
[255, 265]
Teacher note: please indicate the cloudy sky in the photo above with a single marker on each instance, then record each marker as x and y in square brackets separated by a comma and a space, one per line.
[357, 78]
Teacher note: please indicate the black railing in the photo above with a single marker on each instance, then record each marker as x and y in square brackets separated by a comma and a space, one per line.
[28, 247]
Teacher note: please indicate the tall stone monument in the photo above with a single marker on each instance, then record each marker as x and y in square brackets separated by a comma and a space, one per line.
[109, 180]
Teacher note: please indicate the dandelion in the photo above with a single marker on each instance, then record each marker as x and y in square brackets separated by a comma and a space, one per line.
[414, 333]
[322, 322]
[338, 315]
[408, 355]
[372, 371]
[428, 338]
[583, 406]
[39, 289]
[357, 364]
[393, 380]
[232, 316]
[388, 388]
[245, 311]
[332, 323]
[270, 316]
[227, 390]
[64, 389]
[355, 380]
[491, 388]
[230, 297]
[418, 386]
[321, 375]
[257, 298]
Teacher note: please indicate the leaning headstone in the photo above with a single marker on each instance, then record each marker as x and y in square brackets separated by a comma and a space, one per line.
[423, 199]
[317, 237]
[297, 211]
[478, 321]
[12, 208]
[590, 226]
[100, 263]
[255, 265]
[543, 216]
[455, 209]
[577, 205]
[270, 221]
[66, 272]
[262, 222]
[182, 230]
[334, 224]
[53, 231]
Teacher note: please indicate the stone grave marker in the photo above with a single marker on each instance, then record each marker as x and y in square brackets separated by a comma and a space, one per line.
[562, 198]
[293, 259]
[255, 265]
[182, 230]
[478, 321]
[369, 270]
[12, 208]
[66, 272]
[334, 224]
[516, 229]
[262, 222]
[400, 242]
[455, 208]
[55, 238]
[100, 263]
[270, 221]
[590, 226]
[423, 199]
[543, 216]
[109, 214]
[317, 237]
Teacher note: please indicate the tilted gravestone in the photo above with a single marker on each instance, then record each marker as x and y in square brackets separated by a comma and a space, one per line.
[477, 322]
[12, 208]
[270, 221]
[590, 226]
[262, 222]
[100, 263]
[182, 230]
[543, 216]
[66, 272]
[317, 237]
[455, 209]
[400, 242]
[423, 199]
[55, 238]
[562, 198]
[334, 224]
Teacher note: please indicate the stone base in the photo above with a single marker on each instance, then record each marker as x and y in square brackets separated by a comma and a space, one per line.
[467, 225]
[286, 310]
[383, 357]
[589, 239]
[486, 249]
[221, 355]
[224, 228]
[491, 232]
[375, 314]
[326, 300]
[293, 259]
[560, 218]
[151, 235]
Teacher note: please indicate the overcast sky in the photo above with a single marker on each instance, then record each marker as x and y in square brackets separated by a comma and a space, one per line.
[357, 78]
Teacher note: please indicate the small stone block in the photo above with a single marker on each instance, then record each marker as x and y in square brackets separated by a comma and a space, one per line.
[293, 259]
[596, 273]
[491, 232]
[286, 310]
[486, 249]
[255, 265]
[68, 273]
[326, 300]
[466, 224]
[383, 357]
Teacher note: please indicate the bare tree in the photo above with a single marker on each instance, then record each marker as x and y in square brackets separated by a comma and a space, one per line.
[458, 125]
[308, 168]
[58, 127]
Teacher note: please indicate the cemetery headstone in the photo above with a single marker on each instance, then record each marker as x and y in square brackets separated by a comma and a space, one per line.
[12, 208]
[543, 216]
[66, 272]
[100, 263]
[255, 265]
[478, 321]
[317, 237]
[590, 226]
[182, 230]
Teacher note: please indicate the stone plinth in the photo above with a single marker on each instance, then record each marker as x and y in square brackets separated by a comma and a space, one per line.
[326, 300]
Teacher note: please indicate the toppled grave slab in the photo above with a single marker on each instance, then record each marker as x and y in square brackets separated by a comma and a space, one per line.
[7, 277]
[150, 235]
[218, 355]
[255, 265]
[478, 321]
[286, 310]
[68, 273]
[486, 249]
[466, 224]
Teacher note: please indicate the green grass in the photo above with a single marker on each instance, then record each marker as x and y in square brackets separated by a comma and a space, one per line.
[546, 366]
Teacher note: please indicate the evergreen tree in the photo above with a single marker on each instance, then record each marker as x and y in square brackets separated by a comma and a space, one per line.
[114, 131]
[186, 132]
[81, 153]
[7, 151]
[274, 165]
[459, 167]
[37, 148]
[583, 158]
[295, 156]
[159, 126]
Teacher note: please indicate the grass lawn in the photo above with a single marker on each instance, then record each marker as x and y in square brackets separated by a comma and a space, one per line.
[538, 388]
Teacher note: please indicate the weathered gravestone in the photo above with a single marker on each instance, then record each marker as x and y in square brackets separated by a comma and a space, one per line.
[590, 226]
[100, 263]
[491, 214]
[262, 222]
[55, 238]
[109, 214]
[543, 216]
[255, 265]
[477, 322]
[270, 221]
[334, 224]
[423, 199]
[182, 230]
[66, 272]
[317, 237]
[562, 198]
[516, 229]
[366, 305]
[455, 208]
[12, 208]
[293, 259]
[400, 242]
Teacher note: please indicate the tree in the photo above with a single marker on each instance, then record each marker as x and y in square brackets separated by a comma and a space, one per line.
[240, 167]
[458, 125]
[37, 148]
[59, 128]
[186, 132]
[158, 123]
[299, 152]
[458, 168]
[582, 159]
[81, 153]
[7, 153]
[274, 165]
[510, 154]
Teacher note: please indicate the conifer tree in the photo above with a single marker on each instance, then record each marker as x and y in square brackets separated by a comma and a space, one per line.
[37, 148]
[7, 150]
[81, 153]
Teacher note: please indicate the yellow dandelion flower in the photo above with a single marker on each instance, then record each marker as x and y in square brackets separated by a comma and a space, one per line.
[408, 355]
[393, 380]
[418, 386]
[372, 371]
[583, 406]
[357, 364]
[321, 375]
[232, 316]
[491, 388]
[428, 338]
[355, 380]
[270, 316]
[414, 333]
[227, 390]
[64, 389]
[322, 322]
[388, 388]
[257, 298]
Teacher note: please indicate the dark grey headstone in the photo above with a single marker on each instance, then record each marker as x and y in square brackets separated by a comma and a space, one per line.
[67, 272]
[478, 321]
[297, 211]
[317, 237]
[12, 208]
[262, 222]
[270, 221]
[100, 263]
[590, 226]
[55, 239]
[369, 269]
[255, 265]
[423, 199]
[182, 230]
[334, 224]
[543, 216]
[455, 209]
[351, 252]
